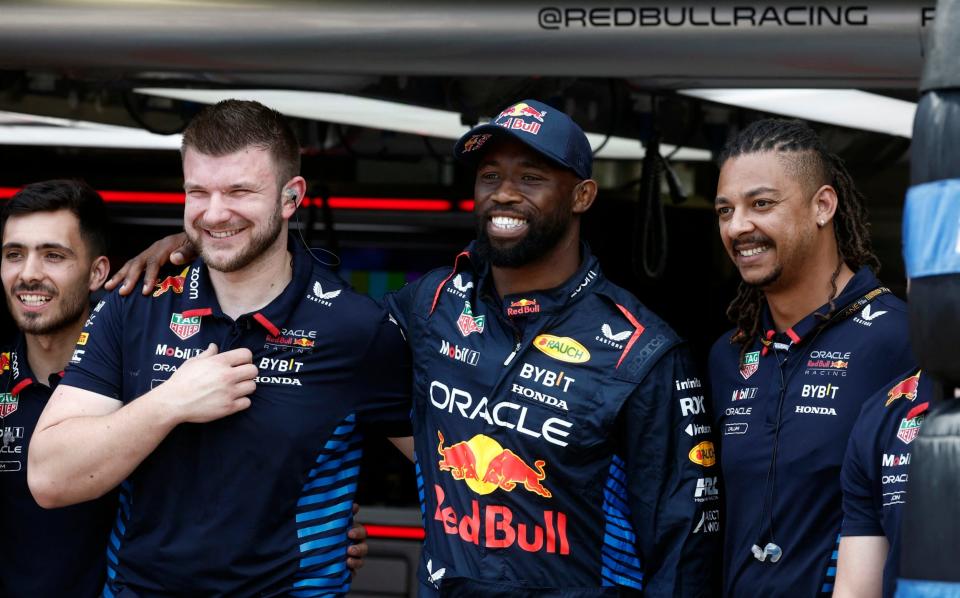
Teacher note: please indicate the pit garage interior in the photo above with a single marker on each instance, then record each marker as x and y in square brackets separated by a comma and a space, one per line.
[376, 117]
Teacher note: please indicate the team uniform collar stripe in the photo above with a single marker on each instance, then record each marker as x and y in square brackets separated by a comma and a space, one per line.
[266, 323]
[862, 282]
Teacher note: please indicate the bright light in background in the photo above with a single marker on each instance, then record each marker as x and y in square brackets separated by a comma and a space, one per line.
[844, 107]
[390, 116]
[29, 129]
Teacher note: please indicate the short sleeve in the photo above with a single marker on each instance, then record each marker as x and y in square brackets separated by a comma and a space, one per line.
[385, 382]
[861, 514]
[97, 361]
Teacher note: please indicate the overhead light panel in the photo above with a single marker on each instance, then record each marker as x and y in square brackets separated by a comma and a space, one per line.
[391, 116]
[842, 107]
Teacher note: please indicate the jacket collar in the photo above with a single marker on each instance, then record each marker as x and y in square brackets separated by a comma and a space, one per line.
[860, 285]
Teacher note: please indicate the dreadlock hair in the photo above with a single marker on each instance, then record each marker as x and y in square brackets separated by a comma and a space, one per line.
[811, 163]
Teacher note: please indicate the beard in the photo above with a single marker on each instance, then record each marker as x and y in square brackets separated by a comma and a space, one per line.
[245, 256]
[73, 305]
[542, 236]
[768, 279]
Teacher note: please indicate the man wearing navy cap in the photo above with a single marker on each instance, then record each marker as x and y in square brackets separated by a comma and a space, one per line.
[227, 405]
[562, 440]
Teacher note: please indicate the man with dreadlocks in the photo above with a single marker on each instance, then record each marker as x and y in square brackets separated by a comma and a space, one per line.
[816, 334]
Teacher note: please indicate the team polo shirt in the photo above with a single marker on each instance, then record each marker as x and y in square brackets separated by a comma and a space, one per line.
[257, 503]
[876, 466]
[50, 553]
[783, 481]
[562, 440]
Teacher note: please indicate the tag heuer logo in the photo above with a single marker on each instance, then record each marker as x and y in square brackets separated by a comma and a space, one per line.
[184, 327]
[750, 364]
[469, 323]
[8, 404]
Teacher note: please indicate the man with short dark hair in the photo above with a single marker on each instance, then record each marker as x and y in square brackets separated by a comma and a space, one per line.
[227, 405]
[562, 439]
[816, 335]
[53, 257]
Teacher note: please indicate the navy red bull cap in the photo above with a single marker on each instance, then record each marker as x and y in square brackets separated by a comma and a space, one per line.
[547, 130]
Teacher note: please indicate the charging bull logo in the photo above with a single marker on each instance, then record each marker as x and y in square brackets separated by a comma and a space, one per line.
[4, 362]
[905, 388]
[523, 109]
[174, 283]
[486, 466]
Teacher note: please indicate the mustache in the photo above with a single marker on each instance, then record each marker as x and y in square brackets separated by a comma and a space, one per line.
[33, 288]
[752, 240]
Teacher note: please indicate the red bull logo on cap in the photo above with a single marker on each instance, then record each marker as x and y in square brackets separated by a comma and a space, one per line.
[174, 283]
[513, 118]
[523, 109]
[905, 388]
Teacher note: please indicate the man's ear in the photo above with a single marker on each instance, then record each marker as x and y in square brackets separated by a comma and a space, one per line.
[98, 272]
[583, 195]
[297, 185]
[826, 203]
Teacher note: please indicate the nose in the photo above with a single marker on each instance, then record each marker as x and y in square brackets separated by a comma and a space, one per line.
[32, 270]
[506, 193]
[738, 224]
[217, 209]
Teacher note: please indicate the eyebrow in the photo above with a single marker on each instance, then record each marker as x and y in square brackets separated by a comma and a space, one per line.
[188, 186]
[749, 194]
[40, 247]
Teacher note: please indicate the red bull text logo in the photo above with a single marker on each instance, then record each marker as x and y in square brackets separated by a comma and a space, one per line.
[468, 323]
[486, 466]
[523, 307]
[174, 283]
[513, 118]
[905, 388]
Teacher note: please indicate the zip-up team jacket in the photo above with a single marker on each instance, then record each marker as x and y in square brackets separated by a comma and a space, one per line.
[562, 442]
[784, 411]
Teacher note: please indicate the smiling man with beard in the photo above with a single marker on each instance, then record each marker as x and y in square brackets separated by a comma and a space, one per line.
[816, 335]
[227, 405]
[562, 437]
[54, 241]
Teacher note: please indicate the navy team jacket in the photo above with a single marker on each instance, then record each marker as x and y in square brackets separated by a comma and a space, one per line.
[784, 487]
[877, 464]
[562, 442]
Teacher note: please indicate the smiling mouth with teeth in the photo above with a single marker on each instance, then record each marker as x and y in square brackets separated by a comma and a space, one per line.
[33, 300]
[507, 223]
[223, 234]
[753, 251]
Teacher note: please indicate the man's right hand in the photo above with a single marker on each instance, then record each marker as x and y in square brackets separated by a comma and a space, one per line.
[211, 385]
[175, 249]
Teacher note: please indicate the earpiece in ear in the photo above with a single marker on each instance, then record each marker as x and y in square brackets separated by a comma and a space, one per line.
[290, 195]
